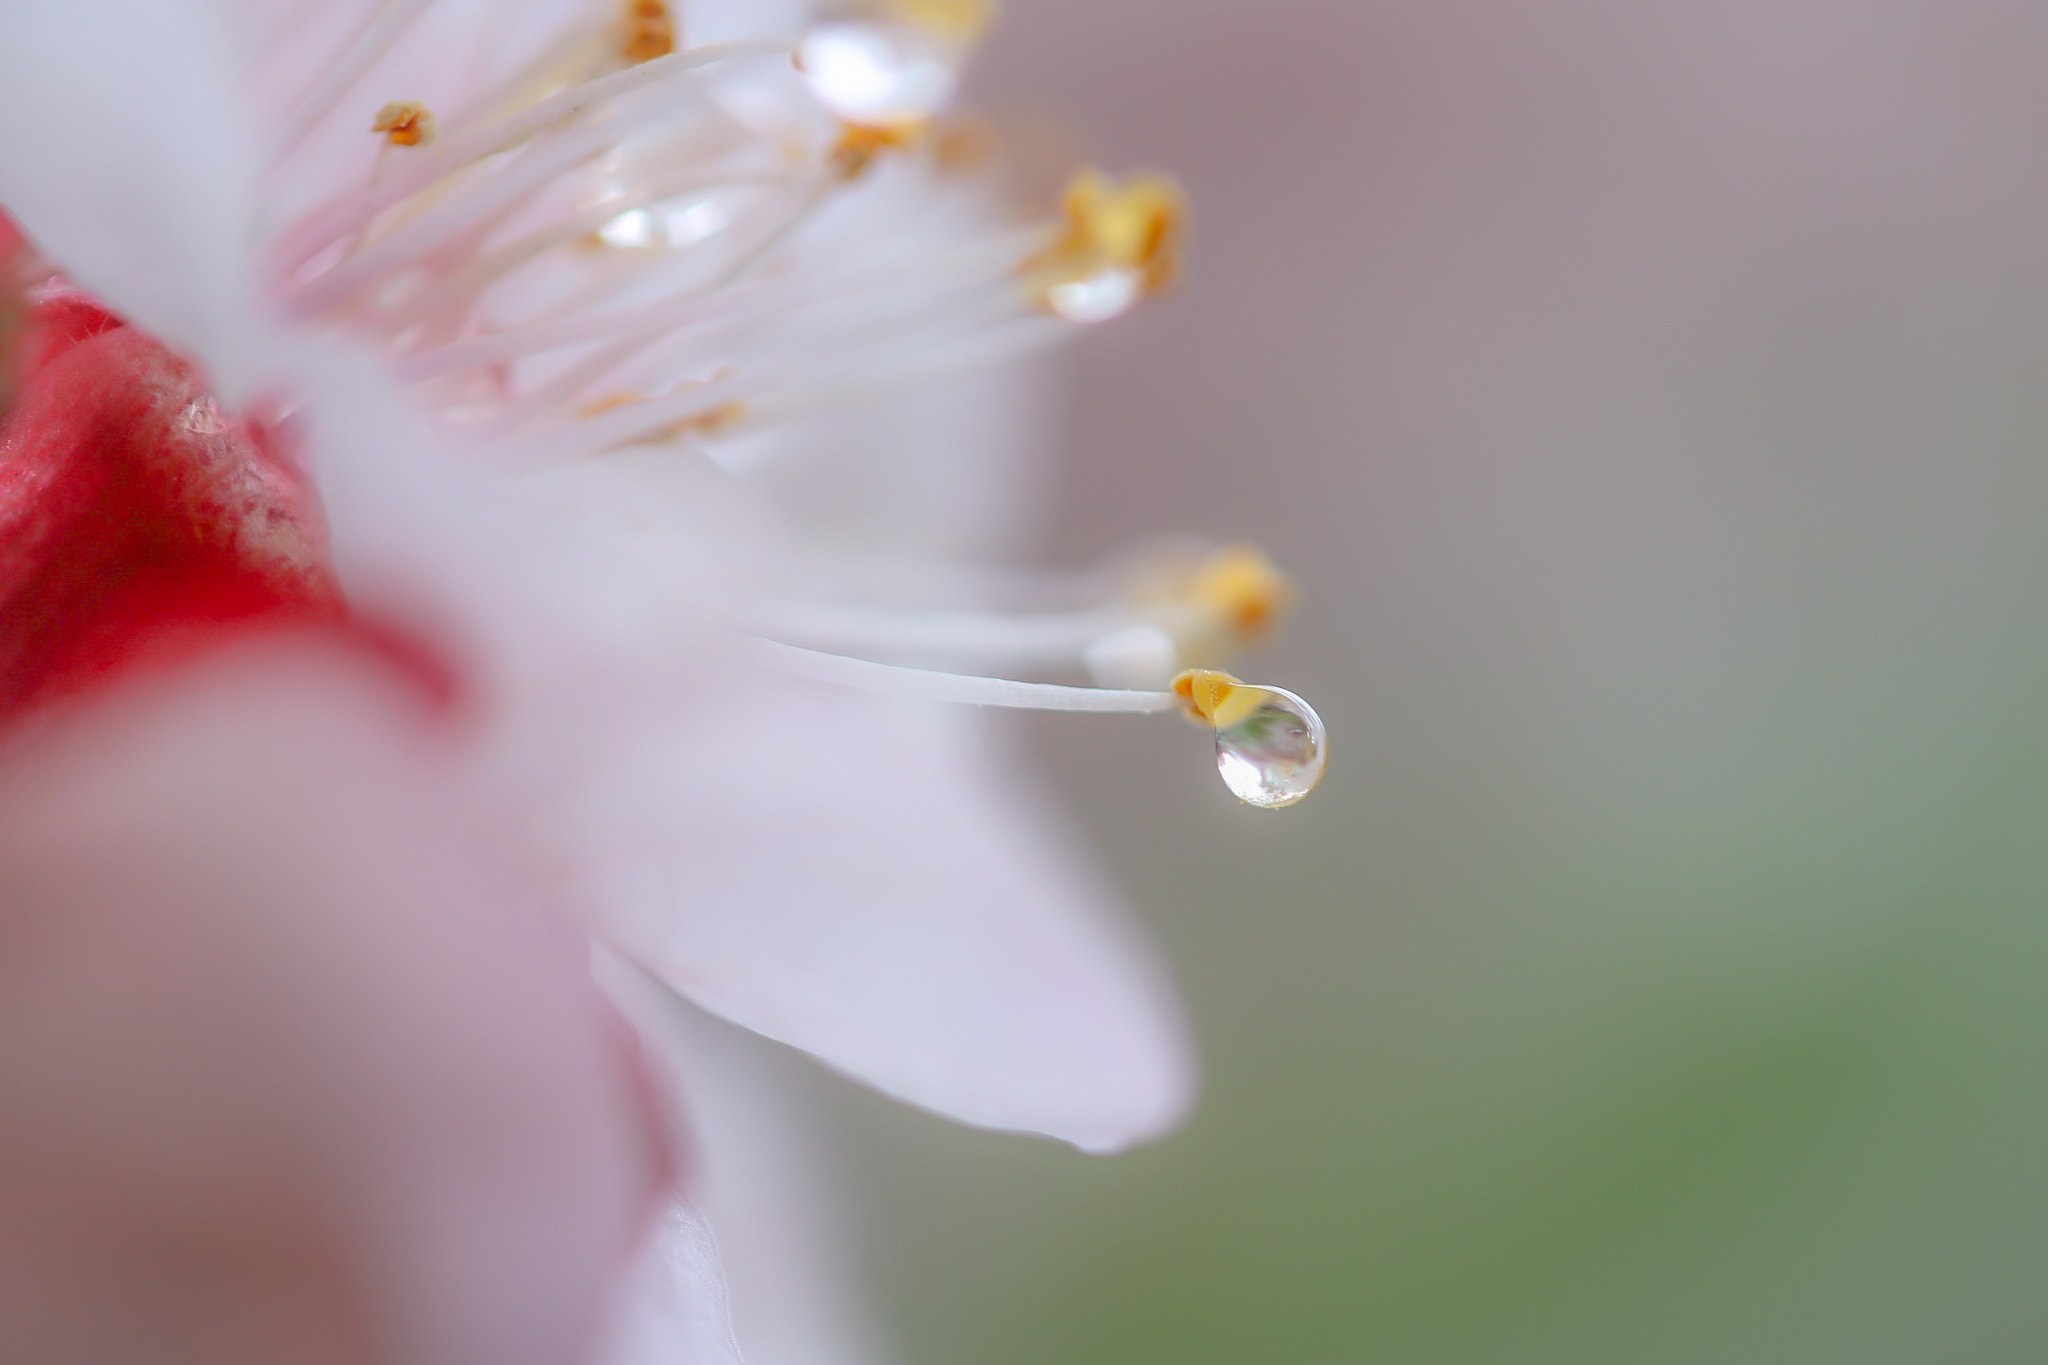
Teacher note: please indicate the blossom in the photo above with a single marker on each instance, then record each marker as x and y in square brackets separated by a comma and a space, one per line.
[574, 315]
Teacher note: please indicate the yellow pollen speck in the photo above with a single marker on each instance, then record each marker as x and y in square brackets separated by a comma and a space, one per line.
[405, 123]
[709, 422]
[959, 22]
[963, 143]
[858, 146]
[649, 31]
[607, 402]
[1215, 699]
[1131, 227]
[1240, 589]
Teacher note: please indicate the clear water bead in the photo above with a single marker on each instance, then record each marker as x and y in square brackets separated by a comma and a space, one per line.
[1274, 756]
[876, 74]
[1098, 297]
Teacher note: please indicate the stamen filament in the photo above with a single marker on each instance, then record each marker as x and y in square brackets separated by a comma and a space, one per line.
[962, 688]
[372, 41]
[489, 267]
[1036, 637]
[464, 142]
[689, 309]
[465, 210]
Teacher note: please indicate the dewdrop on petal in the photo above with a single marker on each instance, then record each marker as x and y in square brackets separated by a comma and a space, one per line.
[1270, 745]
[890, 63]
[1121, 242]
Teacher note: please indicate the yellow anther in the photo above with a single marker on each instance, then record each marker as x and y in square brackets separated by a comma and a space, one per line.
[709, 422]
[962, 143]
[1122, 241]
[859, 145]
[1216, 699]
[405, 123]
[608, 402]
[958, 22]
[648, 31]
[1239, 588]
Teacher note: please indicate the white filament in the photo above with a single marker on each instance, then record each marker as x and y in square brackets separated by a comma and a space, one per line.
[924, 685]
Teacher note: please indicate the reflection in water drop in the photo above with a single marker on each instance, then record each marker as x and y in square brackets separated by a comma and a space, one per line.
[1273, 757]
[674, 223]
[1096, 298]
[878, 74]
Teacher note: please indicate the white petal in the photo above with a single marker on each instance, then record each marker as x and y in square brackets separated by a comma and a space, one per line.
[757, 1170]
[128, 160]
[864, 880]
[672, 1308]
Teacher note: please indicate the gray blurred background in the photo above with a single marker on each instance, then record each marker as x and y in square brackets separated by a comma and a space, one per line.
[1648, 398]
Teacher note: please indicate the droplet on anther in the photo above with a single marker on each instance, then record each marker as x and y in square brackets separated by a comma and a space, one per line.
[1270, 744]
[890, 63]
[1106, 294]
[1119, 243]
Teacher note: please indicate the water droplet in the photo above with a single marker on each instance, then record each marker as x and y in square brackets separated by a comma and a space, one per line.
[673, 223]
[1274, 756]
[1095, 298]
[876, 74]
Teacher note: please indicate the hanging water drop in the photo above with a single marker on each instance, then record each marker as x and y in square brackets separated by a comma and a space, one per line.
[1274, 756]
[1270, 744]
[877, 77]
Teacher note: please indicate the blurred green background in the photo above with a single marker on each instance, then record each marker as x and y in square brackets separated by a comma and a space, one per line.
[1649, 400]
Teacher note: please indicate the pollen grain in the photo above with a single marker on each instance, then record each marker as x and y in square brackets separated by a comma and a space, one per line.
[405, 123]
[649, 31]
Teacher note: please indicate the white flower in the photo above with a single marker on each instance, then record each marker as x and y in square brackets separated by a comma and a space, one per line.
[515, 267]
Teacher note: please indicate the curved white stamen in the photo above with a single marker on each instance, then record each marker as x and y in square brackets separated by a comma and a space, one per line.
[472, 207]
[1031, 638]
[689, 309]
[923, 685]
[464, 142]
[621, 426]
[491, 266]
[592, 368]
[923, 357]
[938, 584]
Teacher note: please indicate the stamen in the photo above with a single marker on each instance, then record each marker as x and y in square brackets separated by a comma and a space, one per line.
[924, 685]
[1038, 638]
[1122, 243]
[1270, 744]
[1241, 589]
[891, 63]
[472, 140]
[405, 123]
[757, 303]
[471, 207]
[858, 147]
[385, 27]
[1228, 599]
[650, 32]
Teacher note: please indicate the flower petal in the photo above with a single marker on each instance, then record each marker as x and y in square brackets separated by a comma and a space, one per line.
[130, 164]
[858, 878]
[673, 1307]
[758, 1171]
[286, 1044]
